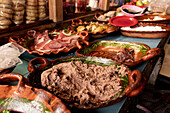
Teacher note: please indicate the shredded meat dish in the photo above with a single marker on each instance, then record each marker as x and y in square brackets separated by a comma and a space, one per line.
[82, 84]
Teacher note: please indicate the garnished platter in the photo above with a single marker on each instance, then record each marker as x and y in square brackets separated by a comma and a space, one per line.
[128, 53]
[93, 92]
[26, 99]
[51, 42]
[95, 29]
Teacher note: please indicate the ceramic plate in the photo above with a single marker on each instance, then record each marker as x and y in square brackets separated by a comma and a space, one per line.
[123, 21]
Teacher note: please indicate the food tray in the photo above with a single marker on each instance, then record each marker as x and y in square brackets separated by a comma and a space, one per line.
[112, 49]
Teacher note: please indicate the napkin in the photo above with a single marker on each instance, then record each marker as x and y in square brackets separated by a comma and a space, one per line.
[9, 55]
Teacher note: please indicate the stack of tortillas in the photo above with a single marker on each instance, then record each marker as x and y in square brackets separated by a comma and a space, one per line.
[5, 13]
[31, 11]
[41, 9]
[18, 11]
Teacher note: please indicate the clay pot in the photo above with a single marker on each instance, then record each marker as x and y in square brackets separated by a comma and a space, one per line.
[25, 95]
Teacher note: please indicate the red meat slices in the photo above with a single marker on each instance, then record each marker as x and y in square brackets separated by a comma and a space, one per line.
[43, 43]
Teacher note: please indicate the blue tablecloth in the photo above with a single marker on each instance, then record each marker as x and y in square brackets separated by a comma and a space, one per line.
[153, 43]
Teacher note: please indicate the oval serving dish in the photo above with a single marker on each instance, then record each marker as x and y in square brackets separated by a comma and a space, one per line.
[154, 18]
[51, 42]
[128, 53]
[130, 83]
[161, 30]
[94, 29]
[26, 99]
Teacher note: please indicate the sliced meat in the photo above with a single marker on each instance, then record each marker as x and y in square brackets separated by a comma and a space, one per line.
[127, 55]
[43, 43]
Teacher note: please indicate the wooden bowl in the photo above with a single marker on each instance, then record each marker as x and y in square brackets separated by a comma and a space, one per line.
[147, 34]
[113, 49]
[29, 42]
[24, 98]
[132, 83]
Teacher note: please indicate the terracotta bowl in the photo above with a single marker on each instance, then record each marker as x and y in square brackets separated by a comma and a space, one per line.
[27, 96]
[109, 49]
[28, 43]
[78, 22]
[132, 84]
[147, 34]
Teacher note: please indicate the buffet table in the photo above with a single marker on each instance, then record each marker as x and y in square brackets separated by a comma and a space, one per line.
[145, 67]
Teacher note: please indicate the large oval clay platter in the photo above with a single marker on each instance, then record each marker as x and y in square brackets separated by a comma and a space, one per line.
[155, 31]
[131, 84]
[51, 42]
[154, 18]
[26, 99]
[128, 53]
